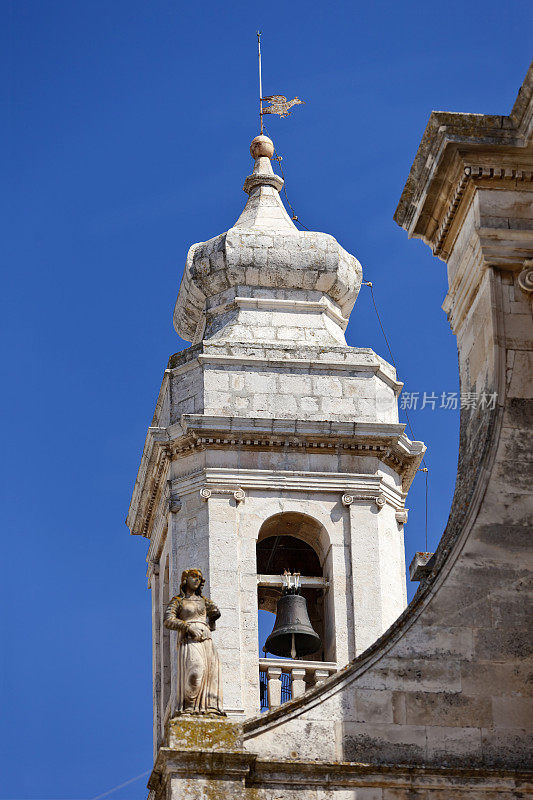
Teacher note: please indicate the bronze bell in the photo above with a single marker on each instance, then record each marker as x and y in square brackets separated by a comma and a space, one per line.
[293, 635]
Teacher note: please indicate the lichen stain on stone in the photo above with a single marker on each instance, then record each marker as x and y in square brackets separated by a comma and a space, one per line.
[212, 790]
[204, 733]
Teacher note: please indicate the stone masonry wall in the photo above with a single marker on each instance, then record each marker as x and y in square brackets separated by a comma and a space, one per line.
[337, 383]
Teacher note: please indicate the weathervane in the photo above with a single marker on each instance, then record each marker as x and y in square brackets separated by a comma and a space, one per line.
[278, 102]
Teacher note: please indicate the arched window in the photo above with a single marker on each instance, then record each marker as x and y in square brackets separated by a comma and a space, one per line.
[294, 542]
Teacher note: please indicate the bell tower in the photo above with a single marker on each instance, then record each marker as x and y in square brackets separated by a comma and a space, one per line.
[274, 446]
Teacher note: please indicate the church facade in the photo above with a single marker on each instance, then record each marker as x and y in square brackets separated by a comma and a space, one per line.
[276, 446]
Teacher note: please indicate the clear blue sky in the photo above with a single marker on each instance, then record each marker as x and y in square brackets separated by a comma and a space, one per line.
[127, 129]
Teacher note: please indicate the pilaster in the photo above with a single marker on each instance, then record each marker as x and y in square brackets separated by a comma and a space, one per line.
[224, 588]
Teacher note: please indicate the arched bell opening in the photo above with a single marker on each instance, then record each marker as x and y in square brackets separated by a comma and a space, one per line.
[294, 543]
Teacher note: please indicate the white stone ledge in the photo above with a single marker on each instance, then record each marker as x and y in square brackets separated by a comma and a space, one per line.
[286, 664]
[335, 352]
[297, 306]
[307, 364]
[276, 581]
[373, 430]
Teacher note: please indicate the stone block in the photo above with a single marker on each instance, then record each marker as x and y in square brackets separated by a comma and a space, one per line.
[436, 642]
[215, 380]
[387, 743]
[327, 387]
[521, 384]
[462, 601]
[511, 611]
[501, 644]
[448, 709]
[413, 674]
[454, 746]
[512, 712]
[507, 748]
[309, 405]
[373, 706]
[420, 566]
[196, 732]
[490, 678]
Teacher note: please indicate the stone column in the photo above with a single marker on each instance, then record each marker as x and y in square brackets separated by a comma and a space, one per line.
[392, 566]
[338, 622]
[224, 588]
[167, 653]
[177, 535]
[247, 526]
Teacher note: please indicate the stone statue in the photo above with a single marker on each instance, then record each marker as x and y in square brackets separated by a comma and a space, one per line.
[193, 616]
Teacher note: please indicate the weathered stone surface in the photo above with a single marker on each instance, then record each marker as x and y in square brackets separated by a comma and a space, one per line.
[439, 705]
[421, 566]
[193, 732]
[266, 280]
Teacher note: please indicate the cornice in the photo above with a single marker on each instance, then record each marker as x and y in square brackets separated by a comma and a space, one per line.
[472, 177]
[351, 487]
[473, 135]
[407, 777]
[293, 357]
[324, 306]
[275, 773]
[387, 442]
[151, 481]
[223, 763]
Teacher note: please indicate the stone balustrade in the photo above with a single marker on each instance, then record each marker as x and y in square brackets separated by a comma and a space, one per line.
[283, 679]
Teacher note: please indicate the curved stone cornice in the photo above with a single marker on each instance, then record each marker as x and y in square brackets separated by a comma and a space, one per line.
[458, 154]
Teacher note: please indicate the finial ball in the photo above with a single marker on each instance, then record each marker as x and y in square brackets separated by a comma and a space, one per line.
[262, 146]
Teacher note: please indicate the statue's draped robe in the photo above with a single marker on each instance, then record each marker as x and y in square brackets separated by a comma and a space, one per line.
[199, 688]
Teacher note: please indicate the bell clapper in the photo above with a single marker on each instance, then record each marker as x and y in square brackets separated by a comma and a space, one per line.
[293, 648]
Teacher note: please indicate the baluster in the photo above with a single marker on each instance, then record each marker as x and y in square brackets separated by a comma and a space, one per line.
[320, 676]
[298, 681]
[274, 687]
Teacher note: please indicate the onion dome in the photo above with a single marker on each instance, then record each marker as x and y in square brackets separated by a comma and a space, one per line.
[264, 264]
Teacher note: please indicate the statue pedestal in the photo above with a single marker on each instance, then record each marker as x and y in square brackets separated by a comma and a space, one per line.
[204, 757]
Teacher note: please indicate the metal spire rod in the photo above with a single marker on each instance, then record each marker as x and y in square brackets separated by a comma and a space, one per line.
[260, 82]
